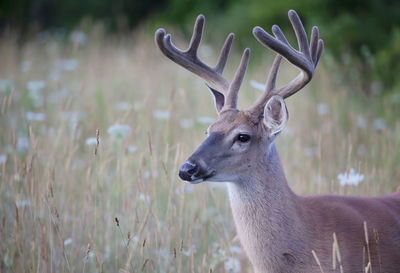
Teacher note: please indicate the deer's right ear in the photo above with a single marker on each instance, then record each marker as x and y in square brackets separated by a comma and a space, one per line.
[219, 98]
[275, 115]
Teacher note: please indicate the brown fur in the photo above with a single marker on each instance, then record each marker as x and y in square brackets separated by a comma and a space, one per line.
[278, 229]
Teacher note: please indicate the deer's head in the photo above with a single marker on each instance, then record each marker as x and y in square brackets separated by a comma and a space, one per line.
[240, 138]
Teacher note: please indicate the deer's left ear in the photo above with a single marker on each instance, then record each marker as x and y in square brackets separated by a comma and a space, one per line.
[275, 115]
[219, 98]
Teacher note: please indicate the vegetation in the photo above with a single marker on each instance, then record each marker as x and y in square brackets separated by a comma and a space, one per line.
[69, 204]
[362, 37]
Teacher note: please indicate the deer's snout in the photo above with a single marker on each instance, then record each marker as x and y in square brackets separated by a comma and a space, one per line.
[187, 170]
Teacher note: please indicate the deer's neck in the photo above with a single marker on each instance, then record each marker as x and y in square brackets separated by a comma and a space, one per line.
[268, 216]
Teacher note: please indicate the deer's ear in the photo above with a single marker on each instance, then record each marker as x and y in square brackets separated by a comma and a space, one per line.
[275, 115]
[219, 98]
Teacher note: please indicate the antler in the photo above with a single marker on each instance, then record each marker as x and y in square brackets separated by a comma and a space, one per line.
[212, 75]
[306, 58]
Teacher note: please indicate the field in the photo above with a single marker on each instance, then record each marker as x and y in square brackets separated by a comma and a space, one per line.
[70, 204]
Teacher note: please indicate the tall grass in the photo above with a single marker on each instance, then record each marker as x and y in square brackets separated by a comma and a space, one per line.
[66, 209]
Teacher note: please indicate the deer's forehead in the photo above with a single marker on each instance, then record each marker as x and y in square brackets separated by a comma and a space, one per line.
[230, 121]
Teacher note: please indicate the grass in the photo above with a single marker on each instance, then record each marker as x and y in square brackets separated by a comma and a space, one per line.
[66, 209]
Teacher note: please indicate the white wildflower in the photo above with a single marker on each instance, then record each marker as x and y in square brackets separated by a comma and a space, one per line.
[232, 265]
[350, 178]
[23, 203]
[67, 64]
[161, 114]
[322, 109]
[257, 85]
[17, 177]
[124, 105]
[22, 143]
[205, 120]
[379, 124]
[35, 85]
[73, 117]
[55, 75]
[3, 159]
[32, 116]
[235, 249]
[144, 197]
[361, 123]
[132, 149]
[78, 37]
[119, 131]
[67, 241]
[7, 261]
[4, 85]
[91, 141]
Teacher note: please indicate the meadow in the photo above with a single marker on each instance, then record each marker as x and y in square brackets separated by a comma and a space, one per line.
[94, 127]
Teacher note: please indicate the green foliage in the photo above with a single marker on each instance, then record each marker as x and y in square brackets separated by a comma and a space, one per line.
[67, 14]
[361, 36]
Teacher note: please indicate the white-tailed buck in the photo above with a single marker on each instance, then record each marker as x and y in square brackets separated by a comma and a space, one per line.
[279, 230]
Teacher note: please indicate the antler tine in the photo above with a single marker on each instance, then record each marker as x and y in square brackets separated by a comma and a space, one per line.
[189, 59]
[231, 99]
[196, 36]
[306, 59]
[301, 34]
[224, 54]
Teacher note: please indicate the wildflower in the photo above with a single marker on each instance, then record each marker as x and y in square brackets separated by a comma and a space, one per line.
[322, 109]
[5, 85]
[22, 143]
[132, 149]
[78, 37]
[124, 105]
[31, 116]
[161, 114]
[91, 141]
[23, 203]
[67, 64]
[3, 159]
[350, 178]
[232, 265]
[361, 123]
[35, 85]
[144, 197]
[119, 131]
[67, 241]
[379, 124]
[35, 92]
[235, 249]
[257, 85]
[205, 120]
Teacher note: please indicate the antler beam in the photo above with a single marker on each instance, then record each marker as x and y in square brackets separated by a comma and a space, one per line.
[306, 58]
[212, 75]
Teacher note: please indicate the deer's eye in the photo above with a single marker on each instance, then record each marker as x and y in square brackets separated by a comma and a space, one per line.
[243, 138]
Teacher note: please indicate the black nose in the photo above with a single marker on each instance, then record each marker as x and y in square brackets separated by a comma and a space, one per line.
[187, 170]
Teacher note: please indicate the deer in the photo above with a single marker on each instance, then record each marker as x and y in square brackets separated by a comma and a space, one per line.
[279, 230]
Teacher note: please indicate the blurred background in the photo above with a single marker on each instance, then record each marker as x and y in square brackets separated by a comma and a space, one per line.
[95, 122]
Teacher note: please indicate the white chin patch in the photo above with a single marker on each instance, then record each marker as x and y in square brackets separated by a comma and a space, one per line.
[196, 181]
